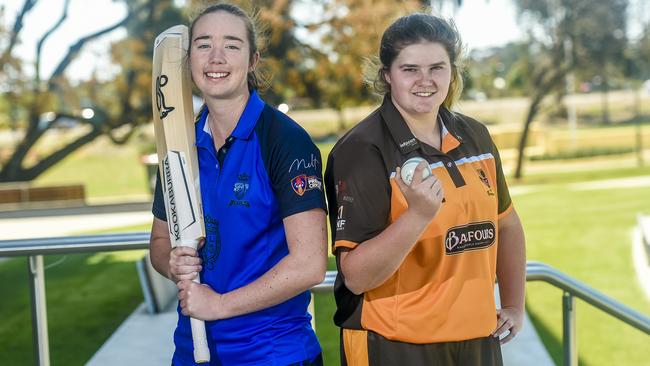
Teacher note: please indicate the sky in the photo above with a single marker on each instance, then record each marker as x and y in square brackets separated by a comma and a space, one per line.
[482, 23]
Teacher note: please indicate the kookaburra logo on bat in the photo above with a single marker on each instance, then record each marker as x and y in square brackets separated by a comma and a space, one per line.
[160, 97]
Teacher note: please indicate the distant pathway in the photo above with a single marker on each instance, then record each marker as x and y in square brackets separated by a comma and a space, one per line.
[73, 221]
[630, 182]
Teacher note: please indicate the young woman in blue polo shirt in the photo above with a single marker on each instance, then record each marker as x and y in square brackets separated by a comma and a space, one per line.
[264, 212]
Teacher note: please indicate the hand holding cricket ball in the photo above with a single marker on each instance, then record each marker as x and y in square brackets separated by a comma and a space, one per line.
[421, 188]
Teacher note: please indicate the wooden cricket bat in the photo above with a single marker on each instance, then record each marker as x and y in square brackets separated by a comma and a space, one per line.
[173, 120]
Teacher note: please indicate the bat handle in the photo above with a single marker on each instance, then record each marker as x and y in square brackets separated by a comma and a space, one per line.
[201, 350]
[200, 340]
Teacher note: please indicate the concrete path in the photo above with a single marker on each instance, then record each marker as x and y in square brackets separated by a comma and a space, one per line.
[142, 339]
[71, 221]
[526, 348]
[618, 183]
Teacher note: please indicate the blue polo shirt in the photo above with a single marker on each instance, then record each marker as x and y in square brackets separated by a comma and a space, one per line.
[267, 170]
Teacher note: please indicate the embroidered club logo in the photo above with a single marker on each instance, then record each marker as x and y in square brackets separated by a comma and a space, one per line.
[299, 184]
[240, 188]
[483, 177]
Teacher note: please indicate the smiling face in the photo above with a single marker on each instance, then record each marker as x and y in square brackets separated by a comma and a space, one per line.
[419, 79]
[220, 55]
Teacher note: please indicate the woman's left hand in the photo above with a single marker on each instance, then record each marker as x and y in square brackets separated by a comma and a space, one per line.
[508, 319]
[199, 301]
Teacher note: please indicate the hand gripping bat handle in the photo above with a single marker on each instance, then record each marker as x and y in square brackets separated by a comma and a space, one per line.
[201, 350]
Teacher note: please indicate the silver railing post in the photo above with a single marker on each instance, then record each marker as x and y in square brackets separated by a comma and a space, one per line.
[39, 310]
[569, 338]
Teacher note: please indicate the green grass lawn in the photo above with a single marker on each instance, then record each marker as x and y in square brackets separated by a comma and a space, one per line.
[587, 234]
[104, 169]
[88, 297]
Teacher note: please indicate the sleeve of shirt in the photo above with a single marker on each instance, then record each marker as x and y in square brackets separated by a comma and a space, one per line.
[158, 207]
[505, 202]
[296, 171]
[358, 192]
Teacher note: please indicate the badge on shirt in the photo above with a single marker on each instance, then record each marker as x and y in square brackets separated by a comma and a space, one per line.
[483, 177]
[240, 188]
[304, 183]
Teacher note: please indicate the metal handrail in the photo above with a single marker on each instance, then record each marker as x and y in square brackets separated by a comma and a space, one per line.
[74, 244]
[35, 248]
[535, 271]
[572, 288]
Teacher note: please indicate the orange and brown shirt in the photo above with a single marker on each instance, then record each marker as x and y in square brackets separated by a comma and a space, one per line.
[443, 290]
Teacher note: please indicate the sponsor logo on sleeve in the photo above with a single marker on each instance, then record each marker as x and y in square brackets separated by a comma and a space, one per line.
[314, 183]
[299, 184]
[340, 221]
[473, 236]
[304, 183]
[341, 189]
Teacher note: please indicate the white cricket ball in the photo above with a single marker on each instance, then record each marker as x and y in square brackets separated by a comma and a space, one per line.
[409, 167]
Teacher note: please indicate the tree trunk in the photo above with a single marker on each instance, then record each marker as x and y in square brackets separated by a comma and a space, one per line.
[532, 112]
[637, 104]
[550, 78]
[20, 174]
[605, 99]
[341, 122]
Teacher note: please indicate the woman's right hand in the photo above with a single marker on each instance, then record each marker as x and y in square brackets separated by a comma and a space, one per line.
[184, 263]
[424, 196]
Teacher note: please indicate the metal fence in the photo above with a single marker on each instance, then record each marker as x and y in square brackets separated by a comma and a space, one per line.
[34, 249]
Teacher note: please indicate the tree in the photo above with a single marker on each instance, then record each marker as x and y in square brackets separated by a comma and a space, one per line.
[561, 38]
[601, 42]
[350, 34]
[37, 103]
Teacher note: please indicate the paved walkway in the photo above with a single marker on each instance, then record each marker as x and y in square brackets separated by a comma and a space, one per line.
[142, 339]
[618, 183]
[71, 221]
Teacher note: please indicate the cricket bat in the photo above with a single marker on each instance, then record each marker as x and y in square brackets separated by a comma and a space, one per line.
[173, 120]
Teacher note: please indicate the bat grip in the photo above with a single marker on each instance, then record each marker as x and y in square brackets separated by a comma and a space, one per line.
[201, 350]
[199, 338]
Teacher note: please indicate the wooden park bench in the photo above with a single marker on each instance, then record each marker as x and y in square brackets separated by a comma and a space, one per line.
[25, 195]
